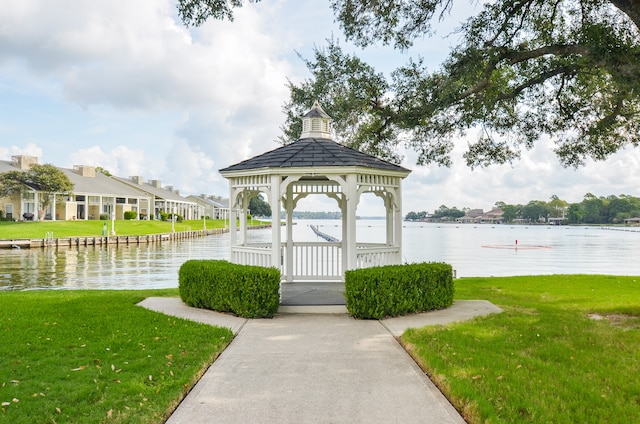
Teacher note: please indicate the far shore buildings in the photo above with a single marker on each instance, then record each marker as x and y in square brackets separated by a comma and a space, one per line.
[477, 216]
[98, 196]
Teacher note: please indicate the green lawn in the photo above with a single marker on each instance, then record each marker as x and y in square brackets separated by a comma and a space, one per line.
[545, 359]
[93, 356]
[39, 229]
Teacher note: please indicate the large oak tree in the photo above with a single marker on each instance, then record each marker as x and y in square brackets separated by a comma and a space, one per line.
[566, 69]
[46, 179]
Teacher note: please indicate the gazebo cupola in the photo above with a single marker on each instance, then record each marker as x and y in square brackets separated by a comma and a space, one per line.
[316, 123]
[315, 165]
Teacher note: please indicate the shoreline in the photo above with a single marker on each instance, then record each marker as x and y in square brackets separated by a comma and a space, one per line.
[77, 241]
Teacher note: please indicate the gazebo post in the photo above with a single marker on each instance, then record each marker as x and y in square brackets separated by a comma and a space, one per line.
[243, 219]
[350, 240]
[232, 218]
[289, 205]
[345, 228]
[397, 219]
[276, 255]
[389, 220]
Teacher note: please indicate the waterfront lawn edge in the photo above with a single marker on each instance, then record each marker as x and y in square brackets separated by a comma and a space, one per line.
[94, 356]
[566, 349]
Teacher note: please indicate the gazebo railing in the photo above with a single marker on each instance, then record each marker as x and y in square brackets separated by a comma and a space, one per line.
[370, 254]
[259, 255]
[316, 261]
[313, 261]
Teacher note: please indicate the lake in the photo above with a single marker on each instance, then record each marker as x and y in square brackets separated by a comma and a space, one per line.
[472, 250]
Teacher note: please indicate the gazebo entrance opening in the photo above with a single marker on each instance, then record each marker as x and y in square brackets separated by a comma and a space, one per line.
[315, 165]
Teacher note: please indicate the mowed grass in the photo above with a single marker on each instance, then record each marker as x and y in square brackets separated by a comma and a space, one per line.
[566, 349]
[94, 356]
[39, 229]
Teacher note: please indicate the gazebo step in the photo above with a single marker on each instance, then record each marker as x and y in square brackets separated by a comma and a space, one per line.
[313, 309]
[305, 294]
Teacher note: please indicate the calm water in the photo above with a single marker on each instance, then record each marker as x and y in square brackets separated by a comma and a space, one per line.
[473, 250]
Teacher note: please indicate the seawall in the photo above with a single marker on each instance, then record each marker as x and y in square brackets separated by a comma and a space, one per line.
[110, 240]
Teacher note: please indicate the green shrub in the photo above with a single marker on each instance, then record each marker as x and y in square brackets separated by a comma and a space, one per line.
[247, 291]
[168, 216]
[104, 217]
[387, 291]
[130, 215]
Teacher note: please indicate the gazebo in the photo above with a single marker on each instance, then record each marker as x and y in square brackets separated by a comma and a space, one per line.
[314, 165]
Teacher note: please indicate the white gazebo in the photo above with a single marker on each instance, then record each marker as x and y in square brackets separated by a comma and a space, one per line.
[315, 165]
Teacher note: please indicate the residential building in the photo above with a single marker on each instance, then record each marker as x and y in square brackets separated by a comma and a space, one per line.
[164, 199]
[95, 194]
[214, 207]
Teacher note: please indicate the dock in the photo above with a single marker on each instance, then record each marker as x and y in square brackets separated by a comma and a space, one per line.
[325, 236]
[109, 240]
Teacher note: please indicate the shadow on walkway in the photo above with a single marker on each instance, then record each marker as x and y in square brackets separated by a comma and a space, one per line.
[314, 293]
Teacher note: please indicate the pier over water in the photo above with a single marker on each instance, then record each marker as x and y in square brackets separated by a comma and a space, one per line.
[325, 236]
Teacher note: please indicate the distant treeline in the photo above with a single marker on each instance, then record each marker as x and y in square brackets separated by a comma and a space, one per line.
[314, 215]
[591, 210]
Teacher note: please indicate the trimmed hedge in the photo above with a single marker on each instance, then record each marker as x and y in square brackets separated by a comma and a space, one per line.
[247, 291]
[393, 290]
[168, 216]
[130, 215]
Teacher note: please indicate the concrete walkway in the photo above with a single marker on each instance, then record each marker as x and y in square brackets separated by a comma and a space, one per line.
[316, 368]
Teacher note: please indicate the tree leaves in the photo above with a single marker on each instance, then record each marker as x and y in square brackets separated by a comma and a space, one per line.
[353, 94]
[196, 12]
[47, 179]
[567, 69]
[396, 22]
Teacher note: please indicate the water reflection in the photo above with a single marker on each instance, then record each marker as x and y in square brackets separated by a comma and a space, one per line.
[106, 267]
[570, 250]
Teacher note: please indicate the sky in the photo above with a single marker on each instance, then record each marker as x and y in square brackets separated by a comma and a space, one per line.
[126, 86]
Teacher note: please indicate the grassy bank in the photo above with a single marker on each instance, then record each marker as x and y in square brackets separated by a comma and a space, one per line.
[566, 349]
[93, 356]
[39, 229]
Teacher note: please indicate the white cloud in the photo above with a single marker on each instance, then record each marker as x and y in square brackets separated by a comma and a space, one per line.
[536, 176]
[124, 85]
[30, 149]
[121, 161]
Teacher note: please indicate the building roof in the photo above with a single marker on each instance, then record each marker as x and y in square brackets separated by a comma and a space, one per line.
[314, 149]
[95, 184]
[214, 201]
[314, 152]
[99, 184]
[166, 193]
[316, 112]
[6, 166]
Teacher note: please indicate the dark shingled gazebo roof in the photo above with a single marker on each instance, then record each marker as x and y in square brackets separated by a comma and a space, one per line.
[313, 152]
